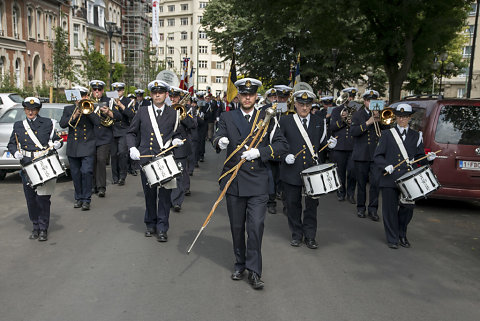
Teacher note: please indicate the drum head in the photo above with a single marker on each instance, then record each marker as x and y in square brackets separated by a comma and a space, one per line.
[317, 169]
[409, 174]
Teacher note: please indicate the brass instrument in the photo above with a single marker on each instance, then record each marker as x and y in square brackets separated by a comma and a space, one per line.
[290, 105]
[376, 125]
[85, 106]
[342, 99]
[181, 106]
[387, 117]
[349, 114]
[105, 120]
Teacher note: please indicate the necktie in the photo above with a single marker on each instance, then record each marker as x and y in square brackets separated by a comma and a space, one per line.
[159, 113]
[304, 123]
[247, 117]
[404, 134]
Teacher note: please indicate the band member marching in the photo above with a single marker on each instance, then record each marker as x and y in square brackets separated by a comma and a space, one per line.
[29, 140]
[152, 130]
[247, 196]
[81, 146]
[306, 134]
[395, 145]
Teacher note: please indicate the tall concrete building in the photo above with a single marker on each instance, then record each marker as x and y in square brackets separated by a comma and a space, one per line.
[181, 35]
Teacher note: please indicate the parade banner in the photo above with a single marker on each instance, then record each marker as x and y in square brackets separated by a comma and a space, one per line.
[155, 31]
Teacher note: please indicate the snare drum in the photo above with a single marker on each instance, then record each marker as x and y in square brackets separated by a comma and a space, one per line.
[418, 183]
[161, 170]
[43, 169]
[320, 179]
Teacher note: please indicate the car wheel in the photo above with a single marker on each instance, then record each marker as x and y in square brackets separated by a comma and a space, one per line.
[2, 175]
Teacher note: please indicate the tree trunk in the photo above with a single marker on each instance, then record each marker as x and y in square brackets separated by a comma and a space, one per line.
[397, 71]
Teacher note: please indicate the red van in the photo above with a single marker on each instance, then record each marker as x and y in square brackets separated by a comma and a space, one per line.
[452, 126]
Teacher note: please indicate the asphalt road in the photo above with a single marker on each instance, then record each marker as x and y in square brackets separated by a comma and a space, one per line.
[97, 265]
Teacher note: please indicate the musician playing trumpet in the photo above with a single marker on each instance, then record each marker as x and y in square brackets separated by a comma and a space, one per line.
[29, 140]
[247, 196]
[396, 144]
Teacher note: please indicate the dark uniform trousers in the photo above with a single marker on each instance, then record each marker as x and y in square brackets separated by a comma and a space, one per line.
[342, 153]
[100, 167]
[38, 205]
[290, 174]
[365, 142]
[81, 152]
[396, 215]
[247, 196]
[119, 152]
[141, 135]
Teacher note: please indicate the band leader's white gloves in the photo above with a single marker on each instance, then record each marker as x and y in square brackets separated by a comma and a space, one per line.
[223, 142]
[431, 156]
[389, 169]
[290, 159]
[57, 144]
[177, 141]
[332, 142]
[18, 155]
[251, 154]
[134, 153]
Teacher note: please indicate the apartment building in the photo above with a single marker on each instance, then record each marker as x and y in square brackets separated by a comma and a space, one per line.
[181, 35]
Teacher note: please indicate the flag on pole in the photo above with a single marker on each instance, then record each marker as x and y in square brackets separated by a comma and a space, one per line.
[290, 77]
[191, 82]
[184, 77]
[297, 71]
[232, 78]
[155, 31]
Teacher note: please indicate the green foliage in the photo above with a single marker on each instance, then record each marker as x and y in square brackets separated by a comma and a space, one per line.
[95, 65]
[118, 72]
[61, 63]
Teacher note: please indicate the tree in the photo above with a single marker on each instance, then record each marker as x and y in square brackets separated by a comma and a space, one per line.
[62, 67]
[150, 67]
[118, 72]
[95, 65]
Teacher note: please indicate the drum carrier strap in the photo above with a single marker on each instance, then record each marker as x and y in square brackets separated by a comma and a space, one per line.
[305, 137]
[153, 120]
[32, 135]
[401, 146]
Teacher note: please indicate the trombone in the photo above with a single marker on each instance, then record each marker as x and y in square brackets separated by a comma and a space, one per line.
[181, 106]
[85, 106]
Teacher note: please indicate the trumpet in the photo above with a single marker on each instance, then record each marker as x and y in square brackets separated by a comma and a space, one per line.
[85, 106]
[387, 117]
[181, 106]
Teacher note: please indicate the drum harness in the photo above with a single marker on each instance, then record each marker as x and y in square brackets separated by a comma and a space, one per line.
[35, 140]
[405, 157]
[306, 138]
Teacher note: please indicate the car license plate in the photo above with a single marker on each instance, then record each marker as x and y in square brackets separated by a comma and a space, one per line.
[7, 155]
[469, 165]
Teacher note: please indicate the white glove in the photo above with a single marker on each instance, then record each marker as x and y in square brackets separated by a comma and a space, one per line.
[177, 141]
[251, 154]
[18, 155]
[134, 153]
[218, 118]
[223, 142]
[389, 169]
[290, 159]
[57, 144]
[431, 156]
[332, 142]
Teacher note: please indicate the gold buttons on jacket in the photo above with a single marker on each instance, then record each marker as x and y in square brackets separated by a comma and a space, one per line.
[252, 167]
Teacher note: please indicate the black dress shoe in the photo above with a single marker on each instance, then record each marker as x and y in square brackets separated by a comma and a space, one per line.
[134, 173]
[162, 237]
[404, 242]
[272, 210]
[351, 199]
[340, 198]
[85, 206]
[149, 232]
[361, 214]
[42, 236]
[101, 193]
[77, 204]
[393, 246]
[177, 208]
[196, 165]
[254, 280]
[188, 193]
[201, 160]
[311, 243]
[373, 216]
[237, 275]
[94, 190]
[34, 235]
[121, 182]
[115, 182]
[295, 243]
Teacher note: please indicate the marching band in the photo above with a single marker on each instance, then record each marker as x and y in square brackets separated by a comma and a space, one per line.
[273, 152]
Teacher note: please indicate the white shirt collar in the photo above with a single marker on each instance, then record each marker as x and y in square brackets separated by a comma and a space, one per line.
[401, 129]
[159, 108]
[250, 113]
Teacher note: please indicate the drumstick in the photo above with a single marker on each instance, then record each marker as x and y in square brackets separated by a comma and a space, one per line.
[299, 152]
[147, 156]
[166, 150]
[18, 144]
[44, 152]
[326, 145]
[438, 151]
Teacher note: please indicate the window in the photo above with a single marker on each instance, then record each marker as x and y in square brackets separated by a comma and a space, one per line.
[184, 21]
[467, 51]
[15, 21]
[161, 51]
[50, 28]
[200, 19]
[76, 32]
[202, 35]
[30, 22]
[183, 50]
[473, 11]
[184, 6]
[39, 24]
[458, 125]
[184, 35]
[90, 12]
[218, 79]
[202, 79]
[203, 49]
[102, 48]
[203, 5]
[18, 74]
[114, 45]
[160, 23]
[171, 22]
[219, 65]
[101, 17]
[461, 92]
[171, 8]
[171, 50]
[469, 30]
[171, 36]
[1, 20]
[160, 8]
[202, 64]
[218, 92]
[162, 36]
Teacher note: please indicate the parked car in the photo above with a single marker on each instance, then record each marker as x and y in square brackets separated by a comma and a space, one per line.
[9, 100]
[452, 126]
[7, 162]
